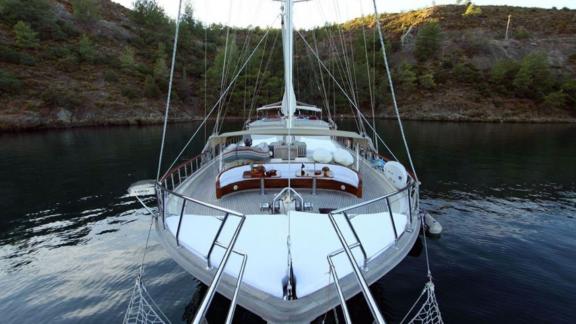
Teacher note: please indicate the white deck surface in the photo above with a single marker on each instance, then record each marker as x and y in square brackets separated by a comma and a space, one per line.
[264, 240]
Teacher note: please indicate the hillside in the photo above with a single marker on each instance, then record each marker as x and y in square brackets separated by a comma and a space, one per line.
[93, 62]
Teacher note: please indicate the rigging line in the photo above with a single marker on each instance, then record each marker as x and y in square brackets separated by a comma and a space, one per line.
[340, 70]
[392, 92]
[141, 271]
[266, 68]
[346, 95]
[241, 57]
[205, 77]
[325, 94]
[425, 247]
[368, 74]
[223, 74]
[342, 67]
[370, 83]
[257, 81]
[219, 100]
[345, 51]
[169, 96]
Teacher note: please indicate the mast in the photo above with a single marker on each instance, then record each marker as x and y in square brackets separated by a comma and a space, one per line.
[289, 100]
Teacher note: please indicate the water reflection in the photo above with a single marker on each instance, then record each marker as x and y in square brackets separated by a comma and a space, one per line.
[71, 242]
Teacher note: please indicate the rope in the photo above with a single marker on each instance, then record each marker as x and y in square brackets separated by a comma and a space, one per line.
[219, 100]
[346, 95]
[169, 97]
[392, 92]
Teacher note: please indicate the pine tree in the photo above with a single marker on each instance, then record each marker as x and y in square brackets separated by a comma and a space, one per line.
[151, 89]
[407, 76]
[160, 65]
[127, 60]
[26, 37]
[86, 50]
[86, 11]
[427, 41]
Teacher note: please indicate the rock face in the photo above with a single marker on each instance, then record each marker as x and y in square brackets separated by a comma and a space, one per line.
[64, 116]
[60, 88]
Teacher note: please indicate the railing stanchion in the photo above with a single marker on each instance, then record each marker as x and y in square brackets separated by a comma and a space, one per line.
[180, 222]
[359, 277]
[162, 193]
[392, 220]
[356, 237]
[347, 318]
[216, 239]
[233, 302]
[212, 288]
[410, 206]
[173, 186]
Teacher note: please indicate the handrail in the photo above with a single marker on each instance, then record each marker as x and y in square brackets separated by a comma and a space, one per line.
[343, 305]
[371, 201]
[218, 276]
[179, 166]
[359, 277]
[199, 202]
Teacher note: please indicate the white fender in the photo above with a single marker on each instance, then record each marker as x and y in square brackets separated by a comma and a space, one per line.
[434, 227]
[396, 173]
[322, 156]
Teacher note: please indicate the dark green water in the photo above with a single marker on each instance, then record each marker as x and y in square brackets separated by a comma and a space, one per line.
[71, 242]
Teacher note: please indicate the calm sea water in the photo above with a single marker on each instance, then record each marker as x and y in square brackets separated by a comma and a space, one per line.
[71, 242]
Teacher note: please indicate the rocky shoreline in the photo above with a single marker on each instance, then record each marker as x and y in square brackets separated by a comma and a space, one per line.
[11, 124]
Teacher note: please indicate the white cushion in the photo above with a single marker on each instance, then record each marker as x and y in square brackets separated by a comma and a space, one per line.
[230, 147]
[322, 156]
[343, 157]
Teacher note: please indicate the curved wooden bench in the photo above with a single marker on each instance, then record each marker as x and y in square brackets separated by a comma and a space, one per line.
[279, 182]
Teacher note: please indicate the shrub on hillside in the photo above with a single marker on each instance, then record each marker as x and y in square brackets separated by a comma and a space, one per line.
[428, 41]
[86, 11]
[85, 50]
[466, 72]
[56, 52]
[54, 97]
[407, 77]
[472, 10]
[160, 67]
[426, 80]
[534, 78]
[569, 88]
[130, 92]
[151, 89]
[10, 55]
[110, 76]
[521, 33]
[25, 36]
[68, 63]
[37, 13]
[127, 59]
[556, 99]
[9, 83]
[503, 73]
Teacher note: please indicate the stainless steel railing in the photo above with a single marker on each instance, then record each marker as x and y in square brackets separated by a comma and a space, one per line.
[359, 277]
[218, 276]
[175, 176]
[163, 195]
